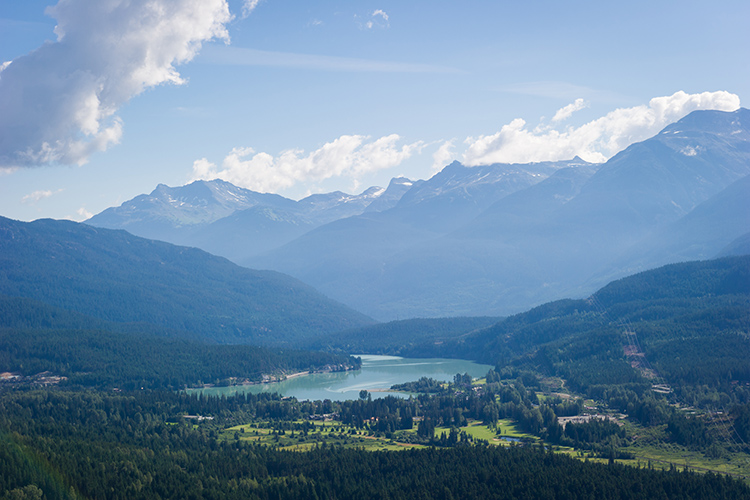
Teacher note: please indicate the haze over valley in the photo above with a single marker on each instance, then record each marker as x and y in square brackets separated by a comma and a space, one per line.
[260, 249]
[481, 241]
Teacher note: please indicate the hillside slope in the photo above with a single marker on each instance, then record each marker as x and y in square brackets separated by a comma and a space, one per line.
[118, 277]
[684, 324]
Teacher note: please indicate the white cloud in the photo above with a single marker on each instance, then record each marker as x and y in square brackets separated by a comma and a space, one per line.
[565, 112]
[443, 156]
[348, 156]
[248, 7]
[378, 19]
[597, 140]
[84, 214]
[59, 103]
[38, 195]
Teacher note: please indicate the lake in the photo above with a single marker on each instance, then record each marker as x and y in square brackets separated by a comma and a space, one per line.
[377, 375]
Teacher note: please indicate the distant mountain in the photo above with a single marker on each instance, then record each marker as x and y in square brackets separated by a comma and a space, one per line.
[167, 212]
[522, 210]
[248, 232]
[740, 246]
[671, 197]
[497, 239]
[389, 198]
[114, 276]
[457, 194]
[349, 258]
[703, 233]
[233, 222]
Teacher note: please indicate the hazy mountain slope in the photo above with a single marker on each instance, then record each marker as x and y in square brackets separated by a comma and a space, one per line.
[115, 276]
[328, 207]
[344, 257]
[457, 194]
[701, 234]
[393, 193]
[349, 258]
[170, 213]
[657, 181]
[249, 232]
[233, 222]
[575, 231]
[740, 246]
[495, 262]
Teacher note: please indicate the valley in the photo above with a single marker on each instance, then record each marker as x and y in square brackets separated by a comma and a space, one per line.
[137, 368]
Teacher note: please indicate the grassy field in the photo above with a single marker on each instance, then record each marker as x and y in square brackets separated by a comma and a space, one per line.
[333, 433]
[336, 433]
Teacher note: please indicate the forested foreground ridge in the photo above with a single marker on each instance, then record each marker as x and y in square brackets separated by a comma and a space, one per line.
[63, 445]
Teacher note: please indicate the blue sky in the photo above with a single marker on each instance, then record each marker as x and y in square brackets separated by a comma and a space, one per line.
[297, 97]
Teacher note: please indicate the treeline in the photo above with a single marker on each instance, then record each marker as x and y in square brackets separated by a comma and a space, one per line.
[425, 385]
[396, 338]
[98, 358]
[65, 445]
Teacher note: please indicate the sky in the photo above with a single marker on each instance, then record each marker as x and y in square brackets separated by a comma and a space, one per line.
[102, 100]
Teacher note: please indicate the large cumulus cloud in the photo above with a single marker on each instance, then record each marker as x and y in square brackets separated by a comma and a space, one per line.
[347, 156]
[595, 141]
[58, 104]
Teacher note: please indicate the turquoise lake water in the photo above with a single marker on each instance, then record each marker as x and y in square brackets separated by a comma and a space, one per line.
[377, 375]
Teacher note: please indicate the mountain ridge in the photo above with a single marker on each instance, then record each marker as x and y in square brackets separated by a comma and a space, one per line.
[493, 240]
[115, 276]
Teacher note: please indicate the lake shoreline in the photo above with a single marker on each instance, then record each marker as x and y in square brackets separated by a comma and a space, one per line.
[273, 379]
[376, 375]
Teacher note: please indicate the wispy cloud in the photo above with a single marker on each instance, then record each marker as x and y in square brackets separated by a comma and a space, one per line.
[36, 196]
[567, 111]
[84, 214]
[248, 7]
[443, 156]
[216, 54]
[595, 141]
[349, 156]
[107, 51]
[378, 19]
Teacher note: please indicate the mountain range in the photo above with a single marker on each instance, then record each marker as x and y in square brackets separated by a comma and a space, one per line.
[483, 240]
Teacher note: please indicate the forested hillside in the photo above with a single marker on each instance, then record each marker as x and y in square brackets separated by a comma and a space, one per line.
[36, 338]
[685, 324]
[94, 445]
[398, 337]
[114, 276]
